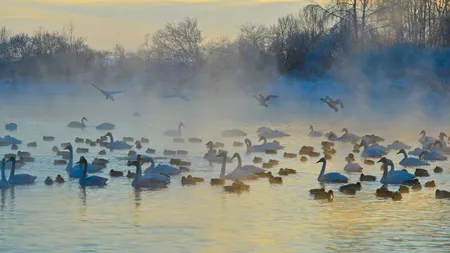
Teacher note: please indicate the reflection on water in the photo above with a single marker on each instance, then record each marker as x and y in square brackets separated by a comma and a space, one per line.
[202, 218]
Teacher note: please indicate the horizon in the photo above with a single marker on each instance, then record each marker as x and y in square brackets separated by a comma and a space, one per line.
[106, 23]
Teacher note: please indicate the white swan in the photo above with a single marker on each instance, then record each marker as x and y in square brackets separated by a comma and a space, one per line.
[410, 161]
[77, 170]
[11, 126]
[77, 124]
[19, 179]
[3, 182]
[392, 178]
[247, 168]
[348, 137]
[426, 139]
[164, 169]
[437, 146]
[314, 133]
[432, 156]
[147, 180]
[397, 145]
[274, 145]
[92, 180]
[254, 148]
[370, 152]
[116, 144]
[234, 133]
[105, 126]
[173, 132]
[351, 166]
[416, 151]
[236, 173]
[394, 171]
[108, 94]
[331, 177]
[211, 156]
[270, 134]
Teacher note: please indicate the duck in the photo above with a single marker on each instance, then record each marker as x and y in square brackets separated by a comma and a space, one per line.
[369, 178]
[286, 172]
[370, 152]
[19, 179]
[441, 194]
[303, 159]
[131, 174]
[163, 169]
[324, 195]
[438, 169]
[115, 173]
[332, 177]
[289, 155]
[270, 134]
[173, 132]
[331, 136]
[392, 178]
[144, 140]
[77, 124]
[430, 184]
[275, 180]
[32, 144]
[396, 196]
[411, 161]
[403, 189]
[147, 180]
[233, 133]
[188, 180]
[4, 184]
[313, 133]
[178, 140]
[347, 190]
[348, 137]
[237, 187]
[105, 126]
[48, 181]
[318, 190]
[397, 145]
[77, 170]
[116, 144]
[238, 144]
[195, 140]
[59, 179]
[11, 126]
[351, 166]
[237, 173]
[421, 173]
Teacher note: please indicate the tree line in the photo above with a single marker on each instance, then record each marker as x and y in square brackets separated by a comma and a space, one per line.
[382, 39]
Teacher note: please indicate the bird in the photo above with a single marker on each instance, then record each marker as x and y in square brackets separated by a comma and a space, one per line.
[108, 94]
[333, 104]
[263, 100]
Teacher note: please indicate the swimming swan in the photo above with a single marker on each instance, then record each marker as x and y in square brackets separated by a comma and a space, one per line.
[410, 161]
[331, 177]
[19, 179]
[148, 180]
[77, 170]
[348, 137]
[247, 168]
[77, 124]
[116, 144]
[105, 126]
[212, 157]
[173, 132]
[92, 180]
[394, 178]
[370, 152]
[270, 134]
[351, 166]
[164, 169]
[4, 182]
[236, 173]
[313, 133]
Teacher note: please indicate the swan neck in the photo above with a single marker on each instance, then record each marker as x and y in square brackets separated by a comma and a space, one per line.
[111, 138]
[322, 171]
[85, 165]
[223, 169]
[152, 164]
[13, 169]
[82, 122]
[3, 172]
[385, 172]
[405, 155]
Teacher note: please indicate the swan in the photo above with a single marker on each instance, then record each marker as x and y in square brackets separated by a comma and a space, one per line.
[4, 182]
[77, 170]
[164, 169]
[331, 177]
[108, 94]
[173, 132]
[348, 137]
[9, 140]
[77, 124]
[149, 179]
[426, 139]
[397, 145]
[270, 145]
[105, 126]
[432, 156]
[247, 168]
[11, 126]
[19, 179]
[403, 172]
[410, 161]
[437, 146]
[351, 166]
[116, 144]
[313, 133]
[92, 180]
[392, 178]
[254, 148]
[416, 151]
[370, 152]
[211, 156]
[236, 173]
[234, 133]
[263, 100]
[270, 134]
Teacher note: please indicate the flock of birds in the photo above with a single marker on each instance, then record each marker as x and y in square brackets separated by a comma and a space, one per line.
[156, 176]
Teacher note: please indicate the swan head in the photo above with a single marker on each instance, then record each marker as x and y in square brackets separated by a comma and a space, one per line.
[248, 142]
[209, 143]
[181, 124]
[437, 143]
[84, 118]
[262, 138]
[401, 151]
[311, 127]
[108, 134]
[322, 160]
[68, 147]
[344, 130]
[442, 135]
[82, 160]
[382, 160]
[236, 155]
[223, 154]
[363, 143]
[422, 132]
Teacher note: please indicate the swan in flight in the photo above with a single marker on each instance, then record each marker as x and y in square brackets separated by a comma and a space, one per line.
[173, 132]
[211, 156]
[392, 178]
[177, 94]
[19, 179]
[3, 182]
[236, 173]
[351, 166]
[331, 177]
[108, 94]
[410, 161]
[263, 100]
[314, 133]
[149, 179]
[163, 169]
[105, 126]
[270, 134]
[348, 137]
[92, 180]
[77, 170]
[333, 104]
[116, 144]
[77, 124]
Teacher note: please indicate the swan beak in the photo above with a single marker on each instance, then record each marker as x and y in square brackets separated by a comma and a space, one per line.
[381, 160]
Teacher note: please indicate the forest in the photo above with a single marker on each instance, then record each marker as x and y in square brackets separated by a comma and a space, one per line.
[349, 40]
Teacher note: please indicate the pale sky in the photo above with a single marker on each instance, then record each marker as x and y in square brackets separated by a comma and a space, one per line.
[107, 22]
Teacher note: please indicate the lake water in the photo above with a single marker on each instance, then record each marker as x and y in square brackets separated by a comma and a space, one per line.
[202, 218]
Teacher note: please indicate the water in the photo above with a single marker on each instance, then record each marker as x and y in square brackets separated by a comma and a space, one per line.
[202, 218]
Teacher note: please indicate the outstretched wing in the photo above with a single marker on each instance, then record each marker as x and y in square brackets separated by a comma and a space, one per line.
[339, 102]
[115, 92]
[270, 96]
[257, 98]
[103, 92]
[98, 88]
